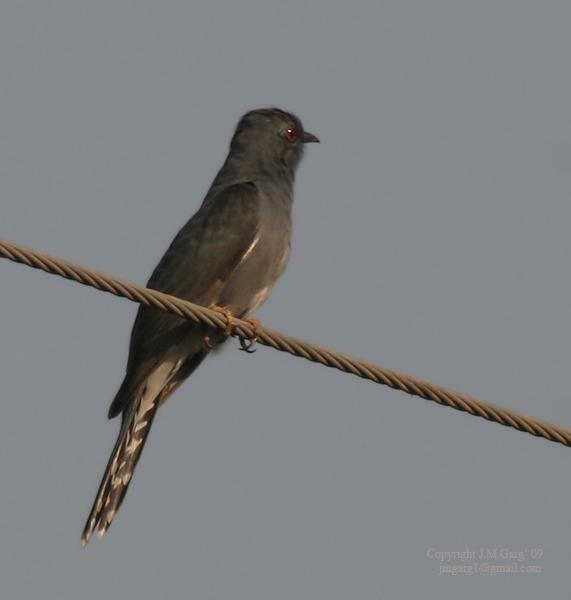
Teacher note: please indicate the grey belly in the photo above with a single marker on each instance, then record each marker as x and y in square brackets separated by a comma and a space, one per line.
[254, 279]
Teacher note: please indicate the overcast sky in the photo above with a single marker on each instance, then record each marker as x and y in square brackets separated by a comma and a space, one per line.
[431, 235]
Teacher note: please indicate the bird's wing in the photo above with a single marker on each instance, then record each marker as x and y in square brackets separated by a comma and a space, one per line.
[210, 246]
[199, 261]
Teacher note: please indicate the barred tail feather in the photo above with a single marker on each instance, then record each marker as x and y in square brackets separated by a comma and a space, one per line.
[138, 416]
[135, 428]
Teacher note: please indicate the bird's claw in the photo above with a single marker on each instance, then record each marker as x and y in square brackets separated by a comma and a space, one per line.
[229, 319]
[247, 344]
[211, 340]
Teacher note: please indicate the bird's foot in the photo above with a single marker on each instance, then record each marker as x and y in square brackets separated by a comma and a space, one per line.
[229, 319]
[247, 344]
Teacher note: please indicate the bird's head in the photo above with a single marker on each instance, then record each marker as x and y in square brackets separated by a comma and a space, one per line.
[271, 136]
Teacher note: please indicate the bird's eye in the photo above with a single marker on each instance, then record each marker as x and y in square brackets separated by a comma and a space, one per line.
[291, 134]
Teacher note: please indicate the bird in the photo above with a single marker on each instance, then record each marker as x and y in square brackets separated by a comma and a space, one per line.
[228, 256]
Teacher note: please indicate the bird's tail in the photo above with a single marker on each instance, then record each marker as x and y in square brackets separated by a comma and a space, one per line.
[138, 418]
[135, 428]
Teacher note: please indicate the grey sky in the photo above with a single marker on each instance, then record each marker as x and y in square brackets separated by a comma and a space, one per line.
[431, 235]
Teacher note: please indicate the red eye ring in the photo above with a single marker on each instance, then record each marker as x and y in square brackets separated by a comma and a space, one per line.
[291, 134]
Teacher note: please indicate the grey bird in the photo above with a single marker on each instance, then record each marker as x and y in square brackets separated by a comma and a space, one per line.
[229, 255]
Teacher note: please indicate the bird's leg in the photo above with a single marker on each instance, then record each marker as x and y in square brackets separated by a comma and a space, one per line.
[247, 345]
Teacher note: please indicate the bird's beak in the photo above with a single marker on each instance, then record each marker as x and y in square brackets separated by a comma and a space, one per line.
[309, 138]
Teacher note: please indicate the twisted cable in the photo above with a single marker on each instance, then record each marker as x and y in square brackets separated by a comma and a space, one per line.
[286, 343]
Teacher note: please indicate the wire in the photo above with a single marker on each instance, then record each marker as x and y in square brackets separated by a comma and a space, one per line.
[286, 343]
